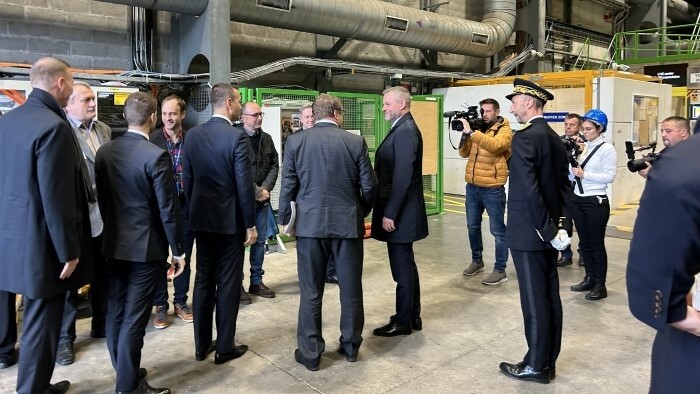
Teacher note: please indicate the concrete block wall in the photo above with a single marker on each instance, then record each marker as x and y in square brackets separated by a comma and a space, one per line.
[87, 34]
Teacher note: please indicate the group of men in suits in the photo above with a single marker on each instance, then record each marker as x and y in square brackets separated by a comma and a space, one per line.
[328, 176]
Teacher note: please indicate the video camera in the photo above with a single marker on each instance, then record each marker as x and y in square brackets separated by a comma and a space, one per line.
[473, 115]
[635, 165]
[572, 150]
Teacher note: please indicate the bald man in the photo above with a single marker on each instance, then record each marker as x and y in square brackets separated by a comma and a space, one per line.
[43, 208]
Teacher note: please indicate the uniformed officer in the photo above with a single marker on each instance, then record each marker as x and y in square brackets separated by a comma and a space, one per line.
[537, 200]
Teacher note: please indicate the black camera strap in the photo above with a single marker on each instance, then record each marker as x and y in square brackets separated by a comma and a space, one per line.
[578, 180]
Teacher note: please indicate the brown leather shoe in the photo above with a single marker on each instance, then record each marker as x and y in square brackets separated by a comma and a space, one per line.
[185, 312]
[261, 290]
[160, 321]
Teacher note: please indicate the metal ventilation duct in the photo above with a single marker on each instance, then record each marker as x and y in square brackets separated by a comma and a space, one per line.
[379, 21]
[367, 20]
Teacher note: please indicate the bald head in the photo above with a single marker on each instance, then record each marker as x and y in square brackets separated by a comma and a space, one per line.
[52, 75]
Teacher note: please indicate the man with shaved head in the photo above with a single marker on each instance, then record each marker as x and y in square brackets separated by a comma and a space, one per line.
[45, 220]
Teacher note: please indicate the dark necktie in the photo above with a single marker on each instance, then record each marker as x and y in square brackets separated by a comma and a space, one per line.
[87, 183]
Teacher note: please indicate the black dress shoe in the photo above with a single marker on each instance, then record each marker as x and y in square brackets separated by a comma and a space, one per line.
[597, 293]
[563, 262]
[332, 279]
[585, 285]
[417, 324]
[59, 388]
[237, 351]
[310, 365]
[7, 360]
[391, 330]
[65, 354]
[142, 373]
[350, 357]
[145, 388]
[202, 356]
[523, 371]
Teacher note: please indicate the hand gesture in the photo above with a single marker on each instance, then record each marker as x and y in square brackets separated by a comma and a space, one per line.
[68, 268]
[577, 171]
[561, 241]
[251, 235]
[177, 265]
[388, 224]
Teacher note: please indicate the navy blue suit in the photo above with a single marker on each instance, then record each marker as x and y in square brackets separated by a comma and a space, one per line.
[141, 217]
[664, 257]
[44, 222]
[398, 163]
[538, 196]
[221, 194]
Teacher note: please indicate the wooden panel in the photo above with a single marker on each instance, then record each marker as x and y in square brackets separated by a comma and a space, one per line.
[425, 113]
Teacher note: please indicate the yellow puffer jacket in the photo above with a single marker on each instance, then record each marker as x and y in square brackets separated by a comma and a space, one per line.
[488, 153]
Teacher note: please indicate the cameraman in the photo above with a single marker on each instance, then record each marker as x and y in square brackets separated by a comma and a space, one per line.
[572, 132]
[486, 173]
[674, 129]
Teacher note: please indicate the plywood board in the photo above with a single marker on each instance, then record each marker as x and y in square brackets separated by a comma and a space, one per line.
[425, 113]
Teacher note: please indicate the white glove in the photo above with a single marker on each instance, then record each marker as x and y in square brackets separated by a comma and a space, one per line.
[561, 241]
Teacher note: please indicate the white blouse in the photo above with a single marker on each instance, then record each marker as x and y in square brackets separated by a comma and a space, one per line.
[599, 171]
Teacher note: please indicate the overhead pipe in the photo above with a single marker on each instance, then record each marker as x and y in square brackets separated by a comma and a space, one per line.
[368, 20]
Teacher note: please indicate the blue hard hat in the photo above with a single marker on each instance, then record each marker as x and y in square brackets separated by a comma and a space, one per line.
[598, 117]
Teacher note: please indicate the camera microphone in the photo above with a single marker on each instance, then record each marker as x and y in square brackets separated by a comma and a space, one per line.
[449, 114]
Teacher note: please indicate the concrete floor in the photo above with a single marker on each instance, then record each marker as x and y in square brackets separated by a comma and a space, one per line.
[468, 329]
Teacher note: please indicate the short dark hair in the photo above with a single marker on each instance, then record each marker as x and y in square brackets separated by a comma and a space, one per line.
[572, 115]
[219, 93]
[490, 101]
[680, 121]
[325, 106]
[138, 107]
[180, 102]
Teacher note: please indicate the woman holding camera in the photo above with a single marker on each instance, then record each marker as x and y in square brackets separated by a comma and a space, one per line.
[590, 207]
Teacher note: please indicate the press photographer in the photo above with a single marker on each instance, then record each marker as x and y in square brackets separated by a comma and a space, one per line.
[574, 142]
[674, 129]
[486, 143]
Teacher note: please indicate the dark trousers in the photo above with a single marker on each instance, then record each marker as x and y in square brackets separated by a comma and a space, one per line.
[591, 216]
[8, 323]
[42, 327]
[181, 284]
[674, 362]
[98, 298]
[217, 283]
[541, 306]
[405, 274]
[131, 287]
[312, 259]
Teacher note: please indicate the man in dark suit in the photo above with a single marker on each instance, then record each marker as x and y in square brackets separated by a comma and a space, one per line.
[171, 138]
[328, 173]
[664, 257]
[44, 216]
[221, 194]
[140, 210]
[538, 198]
[399, 217]
[90, 134]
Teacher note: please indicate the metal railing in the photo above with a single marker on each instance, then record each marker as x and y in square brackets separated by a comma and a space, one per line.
[663, 44]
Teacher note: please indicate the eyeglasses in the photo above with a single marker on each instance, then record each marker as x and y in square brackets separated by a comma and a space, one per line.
[340, 110]
[255, 115]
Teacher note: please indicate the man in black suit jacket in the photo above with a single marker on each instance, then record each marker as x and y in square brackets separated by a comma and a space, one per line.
[399, 216]
[664, 257]
[538, 197]
[221, 194]
[328, 173]
[140, 210]
[44, 194]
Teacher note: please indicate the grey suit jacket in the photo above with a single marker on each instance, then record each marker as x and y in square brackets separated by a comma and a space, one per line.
[327, 171]
[104, 135]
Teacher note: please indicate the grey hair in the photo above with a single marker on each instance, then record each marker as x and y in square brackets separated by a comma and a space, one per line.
[325, 106]
[400, 94]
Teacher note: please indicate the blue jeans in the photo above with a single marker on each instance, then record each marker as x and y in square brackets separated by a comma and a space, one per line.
[493, 199]
[257, 250]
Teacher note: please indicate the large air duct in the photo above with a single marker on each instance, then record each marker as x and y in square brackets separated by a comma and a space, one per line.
[368, 20]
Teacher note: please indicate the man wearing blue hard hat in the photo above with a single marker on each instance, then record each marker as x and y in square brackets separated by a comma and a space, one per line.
[538, 200]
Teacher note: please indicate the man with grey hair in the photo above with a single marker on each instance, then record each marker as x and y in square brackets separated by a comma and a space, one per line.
[307, 116]
[44, 198]
[399, 217]
[329, 176]
[91, 134]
